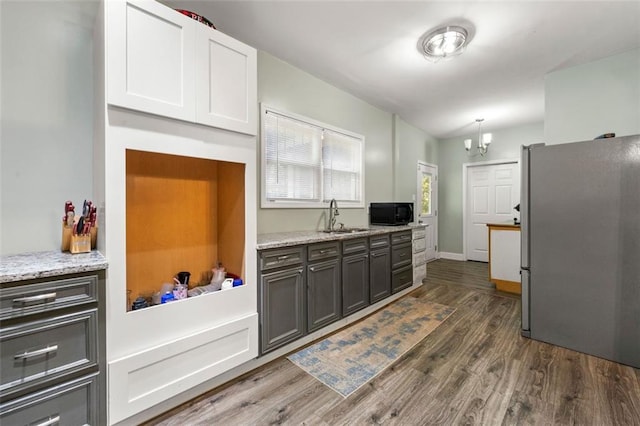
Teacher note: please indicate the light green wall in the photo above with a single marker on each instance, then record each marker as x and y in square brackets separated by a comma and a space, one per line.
[452, 155]
[410, 146]
[588, 100]
[46, 127]
[288, 88]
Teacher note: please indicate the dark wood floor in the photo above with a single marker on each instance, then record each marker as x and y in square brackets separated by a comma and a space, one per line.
[473, 369]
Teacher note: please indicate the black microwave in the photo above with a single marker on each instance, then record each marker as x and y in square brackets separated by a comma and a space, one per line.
[390, 213]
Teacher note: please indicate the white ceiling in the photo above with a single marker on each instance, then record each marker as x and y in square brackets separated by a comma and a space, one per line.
[368, 48]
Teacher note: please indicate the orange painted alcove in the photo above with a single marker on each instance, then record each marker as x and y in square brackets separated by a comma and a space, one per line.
[182, 214]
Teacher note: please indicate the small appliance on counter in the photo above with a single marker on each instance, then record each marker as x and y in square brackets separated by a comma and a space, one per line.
[392, 213]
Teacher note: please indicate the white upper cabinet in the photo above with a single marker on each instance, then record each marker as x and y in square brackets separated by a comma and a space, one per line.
[226, 77]
[150, 59]
[162, 62]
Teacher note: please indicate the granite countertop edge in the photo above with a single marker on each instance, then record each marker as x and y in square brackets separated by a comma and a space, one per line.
[294, 238]
[27, 266]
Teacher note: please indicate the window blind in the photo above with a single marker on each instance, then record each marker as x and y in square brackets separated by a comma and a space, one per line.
[342, 166]
[306, 163]
[292, 155]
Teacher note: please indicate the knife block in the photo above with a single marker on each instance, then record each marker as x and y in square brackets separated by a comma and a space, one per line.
[67, 231]
[78, 243]
[93, 232]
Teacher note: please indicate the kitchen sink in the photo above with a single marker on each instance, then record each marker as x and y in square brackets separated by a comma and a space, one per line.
[346, 230]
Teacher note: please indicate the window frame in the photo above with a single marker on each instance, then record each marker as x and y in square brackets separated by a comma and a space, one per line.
[323, 203]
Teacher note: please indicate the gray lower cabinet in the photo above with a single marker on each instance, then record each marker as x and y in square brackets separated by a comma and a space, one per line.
[283, 308]
[323, 284]
[355, 275]
[379, 275]
[52, 350]
[379, 268]
[323, 294]
[401, 261]
[71, 403]
[306, 287]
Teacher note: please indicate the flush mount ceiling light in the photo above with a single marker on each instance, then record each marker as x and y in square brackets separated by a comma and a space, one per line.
[443, 42]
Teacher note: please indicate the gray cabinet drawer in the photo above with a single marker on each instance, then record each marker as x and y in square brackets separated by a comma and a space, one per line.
[400, 237]
[379, 241]
[401, 256]
[72, 403]
[401, 279]
[28, 299]
[354, 246]
[277, 258]
[39, 351]
[323, 251]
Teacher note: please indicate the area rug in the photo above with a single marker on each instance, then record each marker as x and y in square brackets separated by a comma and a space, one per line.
[350, 358]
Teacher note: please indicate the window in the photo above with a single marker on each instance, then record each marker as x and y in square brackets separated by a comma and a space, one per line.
[426, 195]
[306, 163]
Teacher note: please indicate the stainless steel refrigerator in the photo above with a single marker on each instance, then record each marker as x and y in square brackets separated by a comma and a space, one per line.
[580, 265]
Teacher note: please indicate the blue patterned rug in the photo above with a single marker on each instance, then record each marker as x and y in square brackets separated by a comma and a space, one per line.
[350, 358]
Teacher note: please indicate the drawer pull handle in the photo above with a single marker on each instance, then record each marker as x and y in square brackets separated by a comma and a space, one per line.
[283, 258]
[39, 352]
[53, 420]
[312, 269]
[32, 300]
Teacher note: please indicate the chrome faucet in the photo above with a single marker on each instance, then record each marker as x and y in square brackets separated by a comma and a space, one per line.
[333, 212]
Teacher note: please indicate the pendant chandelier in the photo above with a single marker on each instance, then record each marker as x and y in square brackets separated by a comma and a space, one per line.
[484, 140]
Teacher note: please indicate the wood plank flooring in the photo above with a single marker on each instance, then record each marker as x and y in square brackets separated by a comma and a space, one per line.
[473, 369]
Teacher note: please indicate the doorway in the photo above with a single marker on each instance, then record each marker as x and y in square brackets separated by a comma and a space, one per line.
[491, 191]
[427, 206]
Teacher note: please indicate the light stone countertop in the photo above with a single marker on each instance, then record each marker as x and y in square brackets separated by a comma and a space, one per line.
[286, 239]
[26, 266]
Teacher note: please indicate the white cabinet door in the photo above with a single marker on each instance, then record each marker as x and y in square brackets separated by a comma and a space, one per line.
[226, 80]
[150, 58]
[505, 255]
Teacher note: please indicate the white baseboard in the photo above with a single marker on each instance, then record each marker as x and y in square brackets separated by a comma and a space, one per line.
[451, 256]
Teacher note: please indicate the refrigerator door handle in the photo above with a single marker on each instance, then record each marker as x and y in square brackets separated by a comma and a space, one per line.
[524, 207]
[524, 283]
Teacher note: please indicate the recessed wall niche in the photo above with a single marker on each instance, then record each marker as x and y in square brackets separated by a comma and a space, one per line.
[182, 214]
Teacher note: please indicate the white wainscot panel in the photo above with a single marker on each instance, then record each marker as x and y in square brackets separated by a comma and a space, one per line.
[147, 378]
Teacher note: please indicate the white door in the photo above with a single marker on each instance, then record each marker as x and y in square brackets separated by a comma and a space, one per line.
[427, 205]
[492, 192]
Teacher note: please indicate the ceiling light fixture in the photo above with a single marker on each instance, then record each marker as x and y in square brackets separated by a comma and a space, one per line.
[443, 42]
[483, 140]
